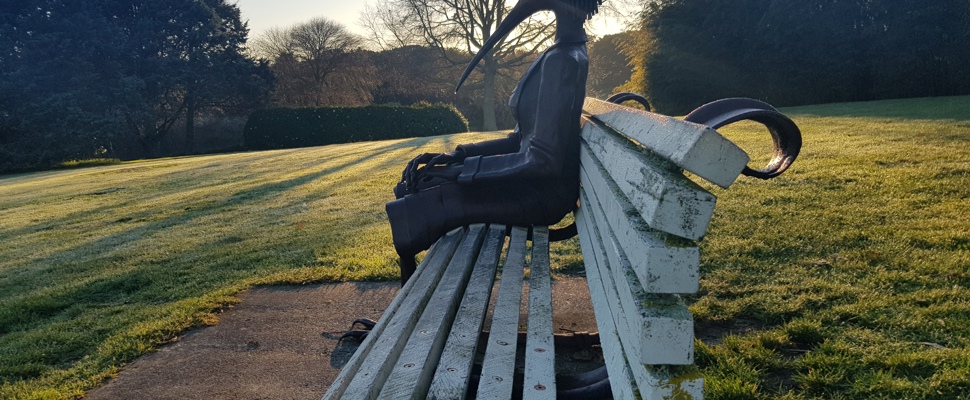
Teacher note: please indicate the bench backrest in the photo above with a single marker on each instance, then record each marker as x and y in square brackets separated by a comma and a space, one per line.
[638, 219]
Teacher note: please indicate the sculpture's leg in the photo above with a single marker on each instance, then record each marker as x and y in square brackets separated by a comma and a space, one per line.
[408, 266]
[418, 219]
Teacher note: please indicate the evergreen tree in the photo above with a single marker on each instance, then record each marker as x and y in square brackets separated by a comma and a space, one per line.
[791, 52]
[81, 79]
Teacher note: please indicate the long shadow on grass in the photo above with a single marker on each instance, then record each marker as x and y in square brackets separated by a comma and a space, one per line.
[33, 309]
[105, 258]
[178, 178]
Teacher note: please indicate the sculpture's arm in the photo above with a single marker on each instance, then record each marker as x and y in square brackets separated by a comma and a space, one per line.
[561, 92]
[509, 144]
[432, 162]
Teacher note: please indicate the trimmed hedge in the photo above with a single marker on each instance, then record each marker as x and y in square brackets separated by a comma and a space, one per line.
[283, 128]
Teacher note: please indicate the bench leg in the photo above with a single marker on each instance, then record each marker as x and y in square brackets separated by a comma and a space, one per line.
[594, 384]
[359, 334]
[408, 267]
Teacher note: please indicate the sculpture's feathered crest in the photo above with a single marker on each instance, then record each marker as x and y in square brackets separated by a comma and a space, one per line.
[590, 7]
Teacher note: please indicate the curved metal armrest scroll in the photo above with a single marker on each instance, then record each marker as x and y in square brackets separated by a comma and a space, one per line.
[622, 97]
[785, 134]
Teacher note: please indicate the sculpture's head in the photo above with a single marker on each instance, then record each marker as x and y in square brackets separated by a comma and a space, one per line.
[523, 10]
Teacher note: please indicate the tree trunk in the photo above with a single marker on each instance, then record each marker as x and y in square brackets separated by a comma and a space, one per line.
[149, 146]
[488, 104]
[189, 124]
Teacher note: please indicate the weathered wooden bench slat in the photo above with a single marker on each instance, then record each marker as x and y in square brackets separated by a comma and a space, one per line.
[651, 382]
[622, 381]
[412, 373]
[451, 378]
[660, 267]
[665, 198]
[540, 374]
[498, 367]
[694, 147]
[350, 369]
[376, 366]
[655, 328]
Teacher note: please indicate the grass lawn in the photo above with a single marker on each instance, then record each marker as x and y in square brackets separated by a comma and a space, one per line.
[847, 277]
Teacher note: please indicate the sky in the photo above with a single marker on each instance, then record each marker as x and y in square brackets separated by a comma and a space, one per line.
[265, 14]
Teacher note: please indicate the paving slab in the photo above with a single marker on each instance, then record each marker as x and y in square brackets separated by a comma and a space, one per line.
[281, 342]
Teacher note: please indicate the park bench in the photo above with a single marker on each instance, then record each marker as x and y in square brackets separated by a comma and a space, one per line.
[638, 219]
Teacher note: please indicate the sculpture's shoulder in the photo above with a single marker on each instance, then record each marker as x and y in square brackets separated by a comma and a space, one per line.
[568, 53]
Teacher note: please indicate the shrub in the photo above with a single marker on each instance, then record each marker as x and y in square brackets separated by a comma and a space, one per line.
[288, 128]
[22, 152]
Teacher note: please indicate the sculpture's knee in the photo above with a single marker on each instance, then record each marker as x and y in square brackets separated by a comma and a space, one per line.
[417, 220]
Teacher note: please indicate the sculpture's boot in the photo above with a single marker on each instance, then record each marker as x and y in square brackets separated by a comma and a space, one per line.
[413, 228]
[401, 235]
[416, 222]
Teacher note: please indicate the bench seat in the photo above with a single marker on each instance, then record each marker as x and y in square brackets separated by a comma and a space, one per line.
[426, 343]
[638, 222]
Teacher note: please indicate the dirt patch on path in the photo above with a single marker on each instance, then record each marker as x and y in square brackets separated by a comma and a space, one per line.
[280, 342]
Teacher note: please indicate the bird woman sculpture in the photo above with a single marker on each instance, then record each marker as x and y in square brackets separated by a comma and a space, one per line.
[530, 177]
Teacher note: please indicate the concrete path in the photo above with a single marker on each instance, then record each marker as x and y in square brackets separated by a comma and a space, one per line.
[280, 342]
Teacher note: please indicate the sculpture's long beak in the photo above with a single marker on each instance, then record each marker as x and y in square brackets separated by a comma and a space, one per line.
[522, 10]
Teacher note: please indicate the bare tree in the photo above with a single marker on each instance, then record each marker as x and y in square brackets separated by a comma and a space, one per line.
[466, 25]
[389, 27]
[323, 45]
[316, 64]
[270, 44]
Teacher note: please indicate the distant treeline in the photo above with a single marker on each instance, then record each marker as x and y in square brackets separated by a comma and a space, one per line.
[792, 52]
[145, 78]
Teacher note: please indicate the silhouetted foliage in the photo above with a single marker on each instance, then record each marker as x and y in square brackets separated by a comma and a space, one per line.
[110, 77]
[791, 52]
[608, 66]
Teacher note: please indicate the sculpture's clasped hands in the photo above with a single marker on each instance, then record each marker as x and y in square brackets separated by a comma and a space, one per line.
[435, 165]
